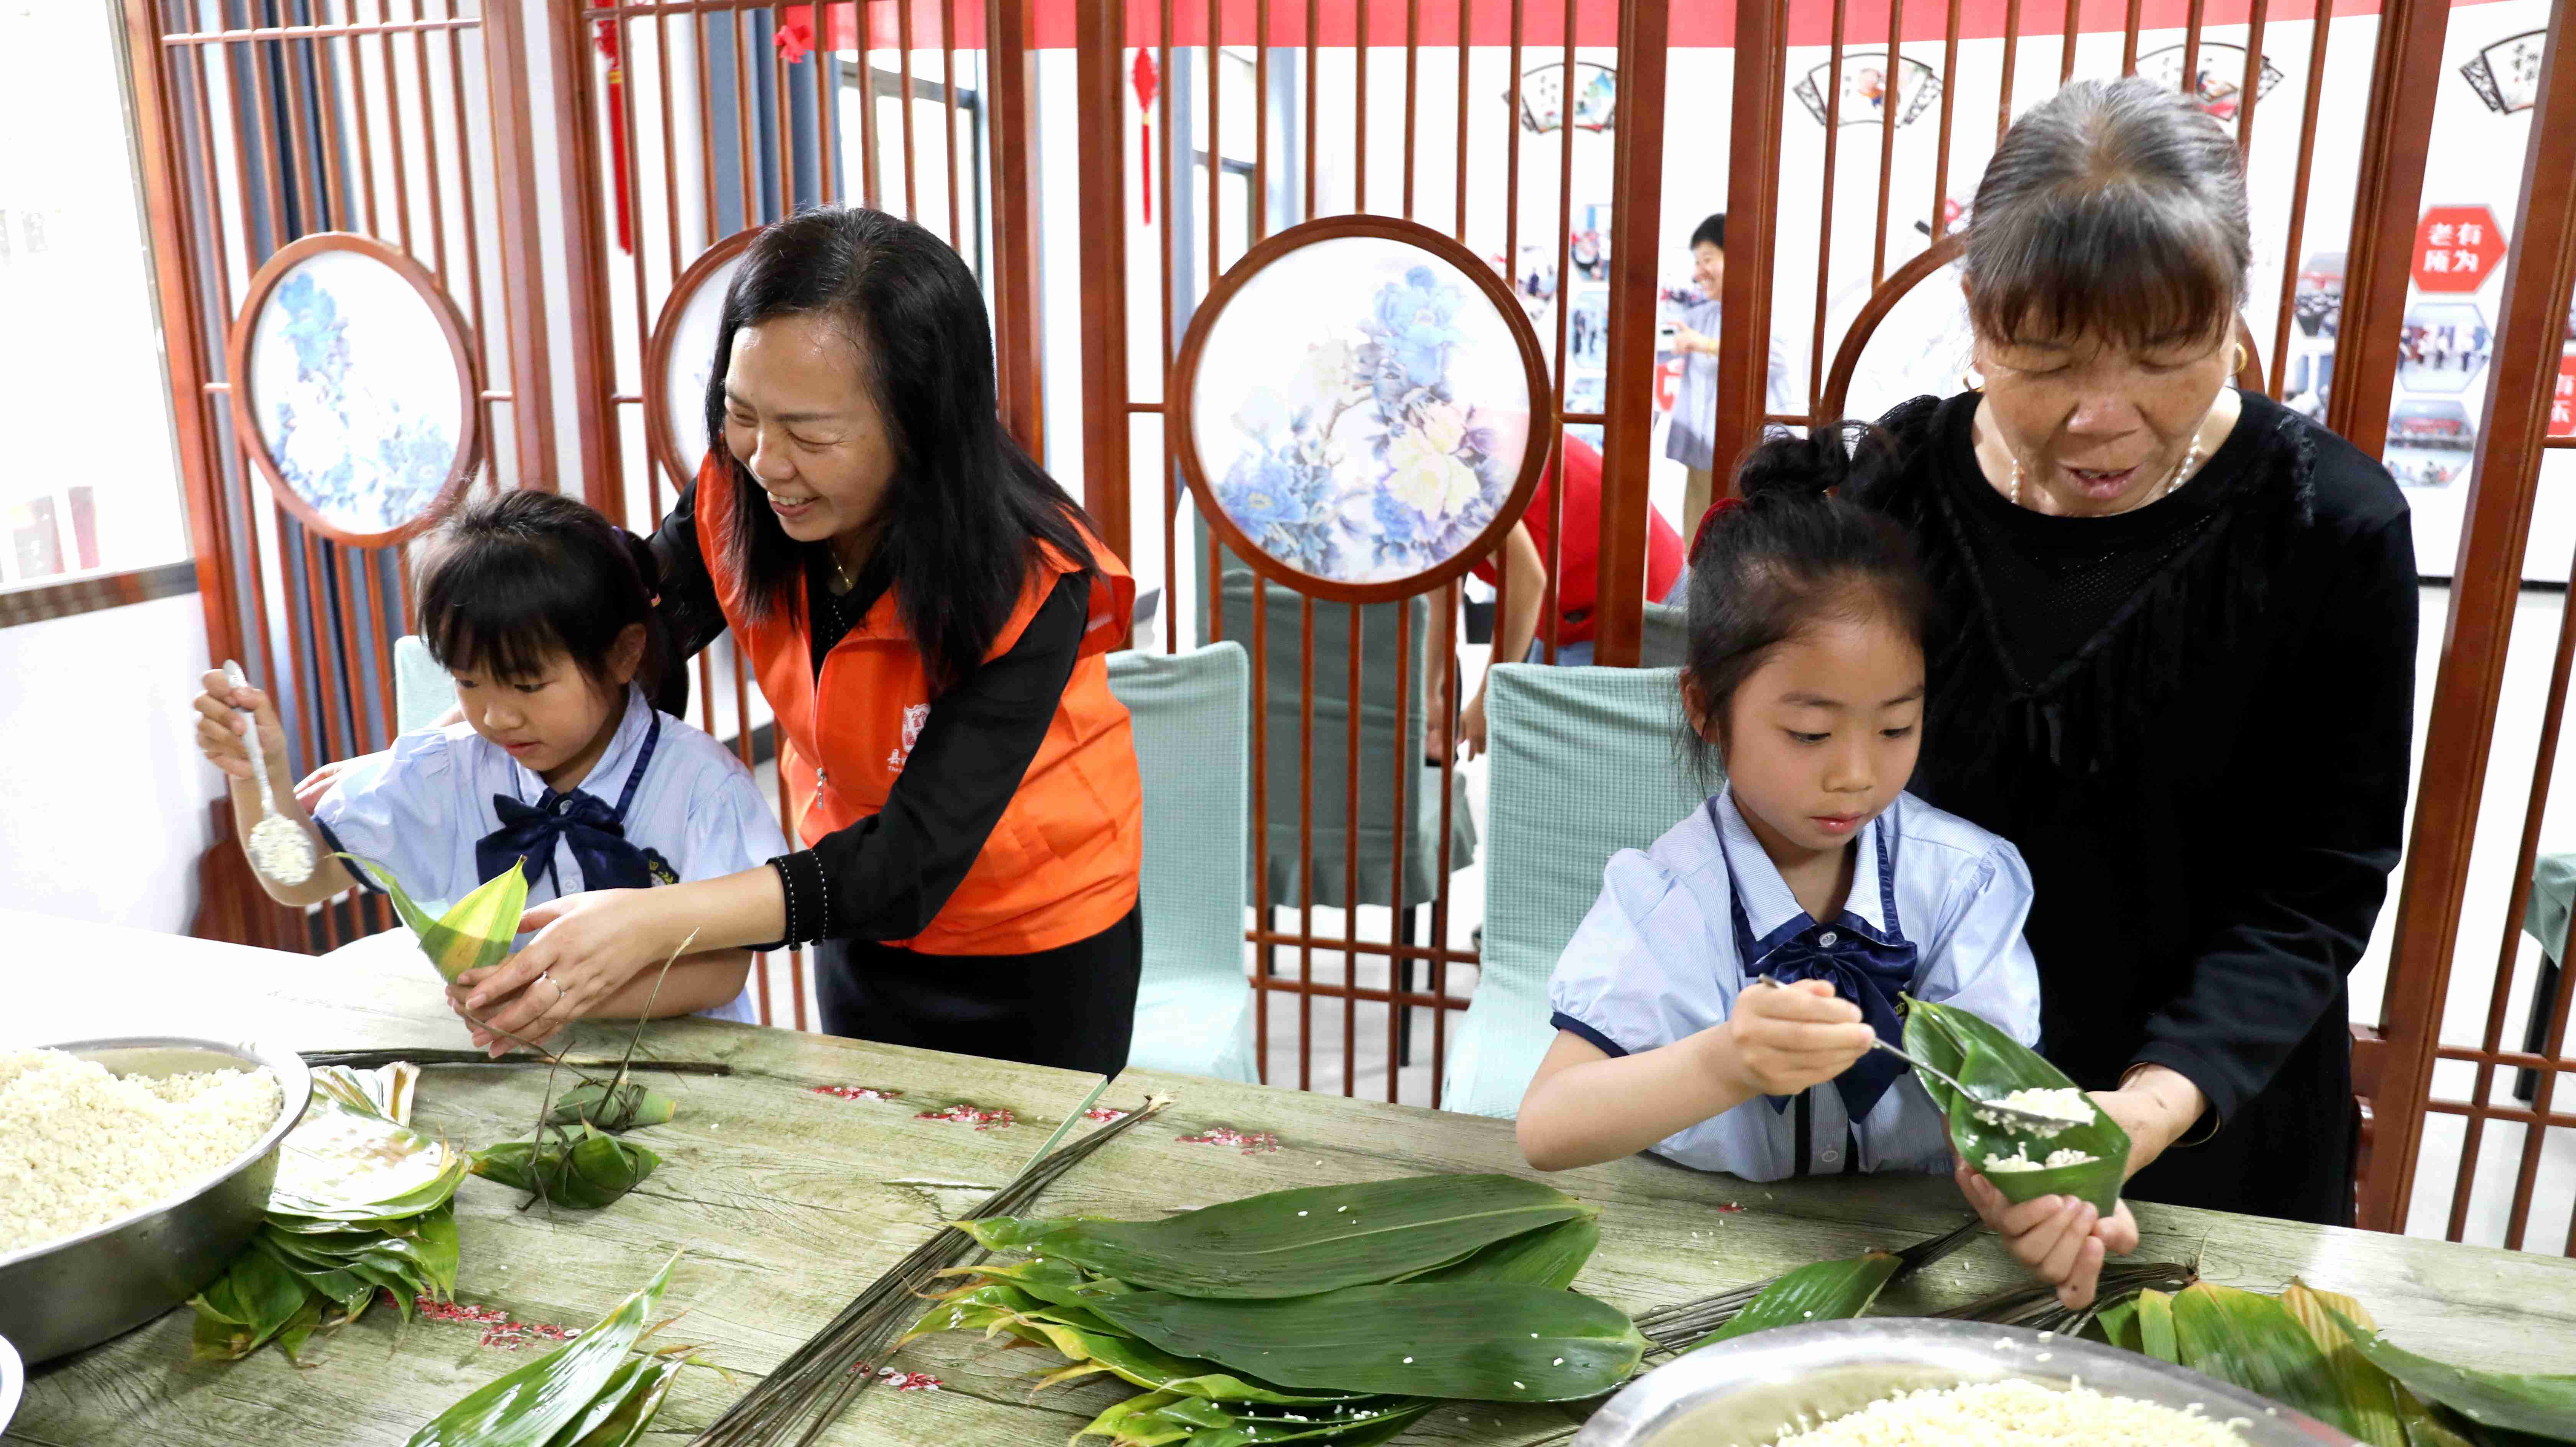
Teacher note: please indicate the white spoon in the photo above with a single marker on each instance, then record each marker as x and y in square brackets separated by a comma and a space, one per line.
[277, 847]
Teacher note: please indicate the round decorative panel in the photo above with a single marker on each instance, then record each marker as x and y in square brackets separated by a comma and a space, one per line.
[1361, 408]
[681, 358]
[354, 388]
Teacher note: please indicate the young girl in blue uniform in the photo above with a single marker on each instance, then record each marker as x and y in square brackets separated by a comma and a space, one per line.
[1811, 867]
[539, 611]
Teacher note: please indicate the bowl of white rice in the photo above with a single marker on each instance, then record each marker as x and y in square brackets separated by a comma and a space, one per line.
[132, 1172]
[1926, 1382]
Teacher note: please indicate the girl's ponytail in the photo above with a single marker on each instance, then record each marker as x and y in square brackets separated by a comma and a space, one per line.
[661, 659]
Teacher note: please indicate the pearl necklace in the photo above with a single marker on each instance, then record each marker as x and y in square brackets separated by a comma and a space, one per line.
[2173, 479]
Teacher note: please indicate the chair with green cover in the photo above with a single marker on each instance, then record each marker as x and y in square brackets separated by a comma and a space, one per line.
[1286, 683]
[422, 689]
[1192, 717]
[1586, 762]
[1665, 642]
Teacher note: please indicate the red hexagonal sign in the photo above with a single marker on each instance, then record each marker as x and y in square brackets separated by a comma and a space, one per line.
[2562, 401]
[2457, 248]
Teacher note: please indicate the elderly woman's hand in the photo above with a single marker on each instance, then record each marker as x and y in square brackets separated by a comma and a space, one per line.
[2062, 1240]
[2157, 1107]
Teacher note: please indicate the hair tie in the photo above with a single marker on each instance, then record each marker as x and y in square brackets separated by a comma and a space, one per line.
[1716, 510]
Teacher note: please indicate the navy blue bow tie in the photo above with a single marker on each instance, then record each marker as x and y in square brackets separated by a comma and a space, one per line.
[1870, 973]
[529, 831]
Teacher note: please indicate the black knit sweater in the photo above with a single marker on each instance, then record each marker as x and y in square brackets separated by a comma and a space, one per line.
[2194, 719]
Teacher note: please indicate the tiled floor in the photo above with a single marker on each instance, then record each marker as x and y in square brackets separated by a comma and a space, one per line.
[2490, 1210]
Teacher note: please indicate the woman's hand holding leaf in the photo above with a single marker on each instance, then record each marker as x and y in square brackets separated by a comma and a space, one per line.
[587, 947]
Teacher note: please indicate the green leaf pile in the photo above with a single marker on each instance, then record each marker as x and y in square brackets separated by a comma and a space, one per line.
[1328, 1315]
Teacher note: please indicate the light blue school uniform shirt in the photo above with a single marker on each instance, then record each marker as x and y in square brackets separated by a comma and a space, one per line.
[1656, 961]
[695, 809]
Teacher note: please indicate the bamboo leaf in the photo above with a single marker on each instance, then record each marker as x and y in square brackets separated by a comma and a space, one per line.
[2542, 1405]
[1296, 1242]
[1549, 1256]
[2156, 1334]
[299, 1329]
[342, 1166]
[385, 1091]
[1482, 1341]
[614, 1109]
[1154, 1369]
[2368, 1393]
[1084, 1338]
[2118, 1323]
[1132, 1423]
[1987, 1060]
[1825, 1291]
[328, 1278]
[584, 1169]
[1209, 1422]
[475, 932]
[2423, 1428]
[252, 1301]
[2253, 1341]
[525, 1408]
[619, 1415]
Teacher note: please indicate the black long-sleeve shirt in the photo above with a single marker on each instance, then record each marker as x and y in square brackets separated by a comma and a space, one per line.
[2195, 720]
[888, 875]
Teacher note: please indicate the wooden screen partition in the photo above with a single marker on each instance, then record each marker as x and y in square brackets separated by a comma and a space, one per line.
[2504, 488]
[333, 145]
[695, 122]
[1310, 65]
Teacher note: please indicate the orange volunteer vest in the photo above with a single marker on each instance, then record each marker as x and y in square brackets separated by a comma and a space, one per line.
[1061, 866]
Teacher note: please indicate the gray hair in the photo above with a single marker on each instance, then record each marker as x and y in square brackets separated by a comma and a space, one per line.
[2117, 208]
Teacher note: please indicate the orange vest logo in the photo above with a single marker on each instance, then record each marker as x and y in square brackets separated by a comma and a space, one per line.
[914, 716]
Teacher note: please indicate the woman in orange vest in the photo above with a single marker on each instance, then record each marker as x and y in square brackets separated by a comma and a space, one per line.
[929, 616]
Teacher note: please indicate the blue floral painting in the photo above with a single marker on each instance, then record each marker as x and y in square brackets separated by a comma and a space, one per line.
[357, 394]
[1378, 438]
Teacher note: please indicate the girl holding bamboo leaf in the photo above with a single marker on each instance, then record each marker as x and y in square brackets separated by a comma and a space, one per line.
[559, 765]
[1812, 868]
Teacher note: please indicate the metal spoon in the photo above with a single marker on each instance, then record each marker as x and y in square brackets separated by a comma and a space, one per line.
[277, 848]
[2036, 1121]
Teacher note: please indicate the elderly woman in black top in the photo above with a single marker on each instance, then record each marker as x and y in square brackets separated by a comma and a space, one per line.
[2177, 666]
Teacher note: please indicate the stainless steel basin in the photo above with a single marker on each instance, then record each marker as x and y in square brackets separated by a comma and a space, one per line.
[1739, 1393]
[77, 1292]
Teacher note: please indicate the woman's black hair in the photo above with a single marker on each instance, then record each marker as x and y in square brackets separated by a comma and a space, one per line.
[966, 507]
[1789, 553]
[1712, 231]
[508, 581]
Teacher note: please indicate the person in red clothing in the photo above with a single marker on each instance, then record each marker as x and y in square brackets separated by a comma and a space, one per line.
[1525, 554]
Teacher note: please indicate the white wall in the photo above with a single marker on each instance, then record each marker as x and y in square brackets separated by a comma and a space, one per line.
[103, 796]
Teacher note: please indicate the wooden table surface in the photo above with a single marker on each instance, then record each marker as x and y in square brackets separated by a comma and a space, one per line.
[788, 1203]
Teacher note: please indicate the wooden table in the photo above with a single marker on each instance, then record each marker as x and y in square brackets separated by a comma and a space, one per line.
[788, 1203]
